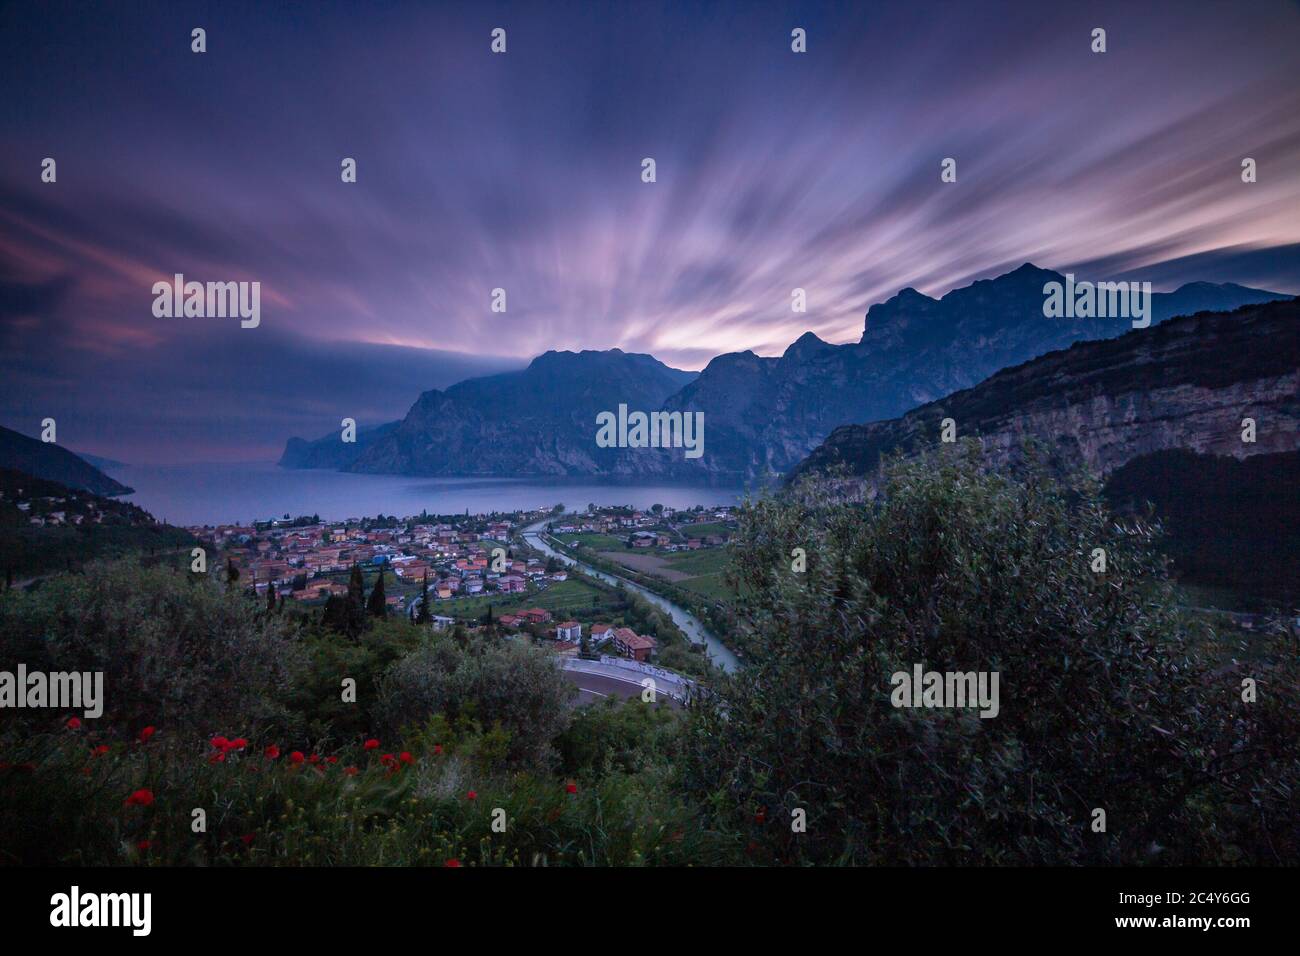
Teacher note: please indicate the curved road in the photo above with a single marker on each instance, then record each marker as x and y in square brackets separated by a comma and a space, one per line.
[595, 680]
[690, 625]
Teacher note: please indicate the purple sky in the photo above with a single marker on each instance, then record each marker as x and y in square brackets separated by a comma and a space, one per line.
[522, 171]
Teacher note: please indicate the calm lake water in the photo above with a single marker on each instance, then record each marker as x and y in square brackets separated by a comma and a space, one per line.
[231, 493]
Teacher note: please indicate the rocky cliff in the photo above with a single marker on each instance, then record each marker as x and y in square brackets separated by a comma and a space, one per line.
[767, 414]
[540, 421]
[1185, 384]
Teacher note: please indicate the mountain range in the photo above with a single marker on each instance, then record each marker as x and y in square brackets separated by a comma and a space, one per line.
[762, 415]
[49, 461]
[539, 420]
[1187, 384]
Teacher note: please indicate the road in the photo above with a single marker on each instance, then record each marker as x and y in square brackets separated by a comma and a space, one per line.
[596, 681]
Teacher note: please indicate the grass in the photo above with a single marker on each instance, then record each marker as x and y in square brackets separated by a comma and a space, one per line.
[706, 529]
[571, 595]
[597, 542]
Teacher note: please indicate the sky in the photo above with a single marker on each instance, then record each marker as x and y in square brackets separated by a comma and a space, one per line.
[522, 171]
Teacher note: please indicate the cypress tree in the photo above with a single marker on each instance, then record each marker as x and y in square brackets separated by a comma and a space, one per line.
[423, 616]
[377, 605]
[356, 602]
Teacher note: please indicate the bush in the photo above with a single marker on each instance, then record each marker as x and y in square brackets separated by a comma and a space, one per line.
[1110, 698]
[507, 684]
[176, 650]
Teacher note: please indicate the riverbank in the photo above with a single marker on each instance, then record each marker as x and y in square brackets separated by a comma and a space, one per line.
[722, 656]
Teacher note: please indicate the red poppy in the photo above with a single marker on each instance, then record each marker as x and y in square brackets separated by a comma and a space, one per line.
[388, 760]
[760, 816]
[471, 795]
[296, 757]
[143, 845]
[437, 749]
[405, 757]
[453, 863]
[372, 744]
[239, 743]
[147, 733]
[99, 751]
[571, 788]
[74, 723]
[141, 798]
[331, 759]
[350, 771]
[220, 743]
[314, 758]
[272, 752]
[247, 839]
[218, 758]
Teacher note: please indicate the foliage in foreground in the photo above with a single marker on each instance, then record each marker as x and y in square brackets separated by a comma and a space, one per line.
[1110, 699]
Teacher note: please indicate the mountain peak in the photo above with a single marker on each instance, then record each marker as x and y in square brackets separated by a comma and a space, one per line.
[806, 345]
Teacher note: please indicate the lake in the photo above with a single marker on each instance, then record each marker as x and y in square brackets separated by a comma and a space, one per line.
[237, 493]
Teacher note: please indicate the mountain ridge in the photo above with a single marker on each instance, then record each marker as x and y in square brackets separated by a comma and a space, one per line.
[1185, 384]
[51, 462]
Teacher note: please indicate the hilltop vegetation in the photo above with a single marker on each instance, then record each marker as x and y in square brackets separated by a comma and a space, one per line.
[47, 526]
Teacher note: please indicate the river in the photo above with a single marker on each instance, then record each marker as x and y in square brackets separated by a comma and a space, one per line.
[690, 625]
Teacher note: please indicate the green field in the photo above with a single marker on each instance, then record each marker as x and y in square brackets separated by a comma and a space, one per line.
[597, 542]
[563, 597]
[704, 530]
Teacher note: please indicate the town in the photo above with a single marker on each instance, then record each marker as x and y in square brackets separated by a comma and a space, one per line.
[477, 571]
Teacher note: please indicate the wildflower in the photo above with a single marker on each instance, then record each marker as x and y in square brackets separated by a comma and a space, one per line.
[74, 723]
[437, 749]
[453, 863]
[296, 757]
[147, 733]
[760, 816]
[471, 795]
[314, 758]
[571, 788]
[239, 743]
[350, 771]
[405, 757]
[143, 845]
[220, 743]
[99, 751]
[331, 759]
[140, 798]
[372, 744]
[272, 752]
[247, 839]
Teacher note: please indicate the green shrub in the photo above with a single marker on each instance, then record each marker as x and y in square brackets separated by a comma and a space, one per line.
[1110, 697]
